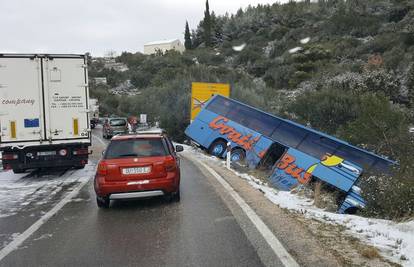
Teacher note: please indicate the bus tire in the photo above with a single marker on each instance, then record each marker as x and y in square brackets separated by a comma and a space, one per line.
[217, 148]
[237, 155]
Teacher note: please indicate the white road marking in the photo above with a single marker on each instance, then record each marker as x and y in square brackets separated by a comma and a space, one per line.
[267, 234]
[100, 140]
[34, 227]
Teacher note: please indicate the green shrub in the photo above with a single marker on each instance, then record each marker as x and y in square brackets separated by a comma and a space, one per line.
[325, 110]
[298, 77]
[388, 197]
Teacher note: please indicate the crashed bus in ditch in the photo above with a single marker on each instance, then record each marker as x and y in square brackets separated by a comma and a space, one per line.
[295, 153]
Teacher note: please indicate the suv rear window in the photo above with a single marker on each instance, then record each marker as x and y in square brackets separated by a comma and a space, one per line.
[151, 147]
[117, 122]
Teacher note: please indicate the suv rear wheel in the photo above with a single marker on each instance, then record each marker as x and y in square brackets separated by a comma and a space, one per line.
[103, 202]
[173, 197]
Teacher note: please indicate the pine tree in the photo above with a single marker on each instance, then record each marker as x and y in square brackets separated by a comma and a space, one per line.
[410, 85]
[207, 26]
[187, 37]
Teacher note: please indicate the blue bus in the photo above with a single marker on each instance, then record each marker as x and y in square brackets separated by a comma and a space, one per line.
[295, 153]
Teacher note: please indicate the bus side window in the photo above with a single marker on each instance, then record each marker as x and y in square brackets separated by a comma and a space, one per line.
[289, 135]
[318, 146]
[357, 157]
[220, 106]
[262, 123]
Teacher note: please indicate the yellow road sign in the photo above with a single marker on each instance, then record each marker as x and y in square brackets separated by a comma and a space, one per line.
[201, 93]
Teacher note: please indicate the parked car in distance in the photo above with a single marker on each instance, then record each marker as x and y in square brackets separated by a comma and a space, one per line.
[114, 126]
[138, 166]
[93, 124]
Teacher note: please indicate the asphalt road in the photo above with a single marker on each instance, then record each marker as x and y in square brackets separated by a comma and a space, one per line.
[200, 230]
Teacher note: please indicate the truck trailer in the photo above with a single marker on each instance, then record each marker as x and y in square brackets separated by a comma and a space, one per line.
[44, 111]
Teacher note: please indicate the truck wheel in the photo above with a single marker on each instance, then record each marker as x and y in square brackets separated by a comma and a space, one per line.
[103, 202]
[217, 148]
[17, 171]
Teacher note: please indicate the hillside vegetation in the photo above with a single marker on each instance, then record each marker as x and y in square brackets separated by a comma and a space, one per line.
[342, 67]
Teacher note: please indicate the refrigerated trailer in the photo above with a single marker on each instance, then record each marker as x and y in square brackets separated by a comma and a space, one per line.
[44, 121]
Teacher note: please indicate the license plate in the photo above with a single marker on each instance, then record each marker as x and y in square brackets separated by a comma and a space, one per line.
[137, 170]
[46, 153]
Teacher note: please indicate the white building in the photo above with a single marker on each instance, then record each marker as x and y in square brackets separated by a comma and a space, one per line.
[163, 46]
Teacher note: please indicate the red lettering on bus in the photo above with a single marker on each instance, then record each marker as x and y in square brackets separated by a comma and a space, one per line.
[226, 129]
[262, 153]
[286, 163]
[244, 141]
[214, 124]
[234, 136]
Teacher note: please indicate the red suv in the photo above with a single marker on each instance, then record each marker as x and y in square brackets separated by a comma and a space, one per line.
[138, 166]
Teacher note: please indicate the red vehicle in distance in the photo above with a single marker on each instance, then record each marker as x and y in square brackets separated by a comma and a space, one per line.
[138, 166]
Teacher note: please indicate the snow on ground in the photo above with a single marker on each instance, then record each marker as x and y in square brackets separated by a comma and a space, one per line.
[18, 191]
[295, 50]
[394, 240]
[239, 48]
[305, 40]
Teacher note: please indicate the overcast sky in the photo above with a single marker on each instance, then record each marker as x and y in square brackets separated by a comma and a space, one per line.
[96, 26]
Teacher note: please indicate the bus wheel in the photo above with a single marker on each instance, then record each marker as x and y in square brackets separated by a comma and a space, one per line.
[238, 154]
[217, 148]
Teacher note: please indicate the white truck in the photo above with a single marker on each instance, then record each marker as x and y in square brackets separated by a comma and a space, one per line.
[44, 116]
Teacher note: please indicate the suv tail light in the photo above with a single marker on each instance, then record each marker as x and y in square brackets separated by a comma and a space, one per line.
[170, 165]
[102, 168]
[10, 156]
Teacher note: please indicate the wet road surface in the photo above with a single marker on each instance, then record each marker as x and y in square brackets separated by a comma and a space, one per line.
[200, 230]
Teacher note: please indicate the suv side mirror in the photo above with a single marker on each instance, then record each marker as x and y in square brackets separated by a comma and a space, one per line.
[103, 152]
[179, 148]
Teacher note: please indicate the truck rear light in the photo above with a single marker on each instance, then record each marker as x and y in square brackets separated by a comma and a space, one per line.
[63, 152]
[7, 167]
[102, 168]
[81, 151]
[10, 156]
